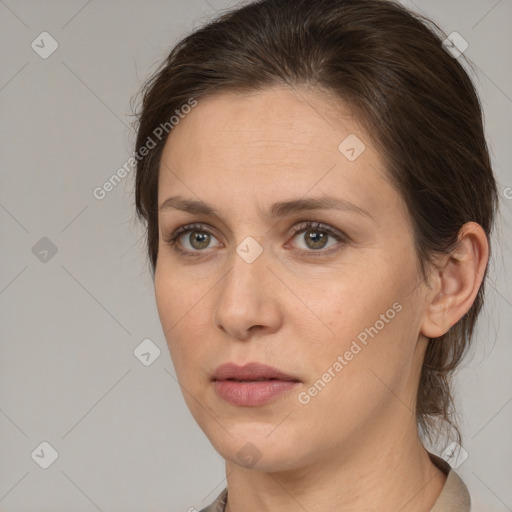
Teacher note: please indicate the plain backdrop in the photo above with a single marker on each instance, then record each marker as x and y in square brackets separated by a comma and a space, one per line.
[76, 297]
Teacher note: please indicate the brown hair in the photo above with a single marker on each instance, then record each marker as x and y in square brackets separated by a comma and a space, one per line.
[416, 101]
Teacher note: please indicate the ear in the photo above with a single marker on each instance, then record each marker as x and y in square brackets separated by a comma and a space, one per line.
[456, 281]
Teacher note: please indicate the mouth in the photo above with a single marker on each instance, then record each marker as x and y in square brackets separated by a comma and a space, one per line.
[251, 385]
[252, 380]
[251, 372]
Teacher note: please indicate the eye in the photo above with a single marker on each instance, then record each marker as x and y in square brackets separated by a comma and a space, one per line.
[198, 239]
[315, 237]
[192, 239]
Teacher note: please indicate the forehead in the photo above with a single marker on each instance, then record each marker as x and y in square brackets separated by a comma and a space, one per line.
[262, 143]
[263, 122]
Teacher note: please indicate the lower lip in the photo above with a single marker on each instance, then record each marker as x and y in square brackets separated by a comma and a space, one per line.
[252, 394]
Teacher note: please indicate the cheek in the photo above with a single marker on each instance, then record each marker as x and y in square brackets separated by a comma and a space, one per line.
[178, 295]
[386, 362]
[362, 369]
[370, 315]
[180, 306]
[355, 299]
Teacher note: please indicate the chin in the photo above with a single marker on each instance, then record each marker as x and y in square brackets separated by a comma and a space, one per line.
[258, 446]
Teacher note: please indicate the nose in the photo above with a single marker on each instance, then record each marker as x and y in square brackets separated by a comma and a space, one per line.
[247, 303]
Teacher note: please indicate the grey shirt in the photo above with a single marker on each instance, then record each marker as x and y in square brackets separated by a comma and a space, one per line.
[453, 498]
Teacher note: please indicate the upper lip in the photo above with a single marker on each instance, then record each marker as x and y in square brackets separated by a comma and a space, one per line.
[250, 371]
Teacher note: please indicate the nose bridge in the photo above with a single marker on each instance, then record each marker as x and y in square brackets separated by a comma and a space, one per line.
[248, 268]
[245, 297]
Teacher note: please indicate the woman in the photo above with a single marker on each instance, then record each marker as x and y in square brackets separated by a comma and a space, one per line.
[319, 201]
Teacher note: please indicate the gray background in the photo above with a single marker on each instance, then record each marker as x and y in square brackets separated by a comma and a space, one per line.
[70, 321]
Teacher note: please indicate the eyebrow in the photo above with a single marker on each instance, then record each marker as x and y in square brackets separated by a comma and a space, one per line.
[277, 210]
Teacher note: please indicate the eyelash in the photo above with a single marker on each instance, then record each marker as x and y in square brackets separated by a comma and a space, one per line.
[302, 227]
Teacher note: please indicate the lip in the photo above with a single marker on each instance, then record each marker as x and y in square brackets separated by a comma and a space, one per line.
[243, 385]
[250, 371]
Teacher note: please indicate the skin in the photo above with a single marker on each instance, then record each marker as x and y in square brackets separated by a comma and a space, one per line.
[355, 445]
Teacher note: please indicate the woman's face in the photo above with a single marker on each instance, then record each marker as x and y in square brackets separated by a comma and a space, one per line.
[338, 311]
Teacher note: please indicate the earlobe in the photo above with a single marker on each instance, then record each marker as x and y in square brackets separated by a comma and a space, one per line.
[457, 281]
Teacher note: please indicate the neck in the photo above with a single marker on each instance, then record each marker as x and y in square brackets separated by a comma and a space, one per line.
[385, 470]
